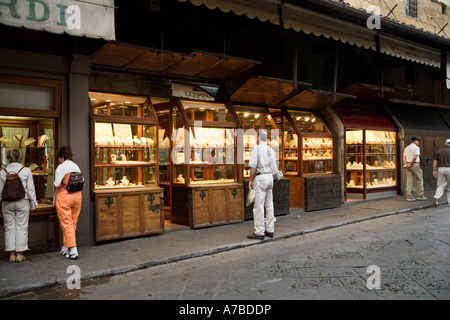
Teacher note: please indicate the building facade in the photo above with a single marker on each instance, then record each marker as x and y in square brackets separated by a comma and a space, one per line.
[337, 82]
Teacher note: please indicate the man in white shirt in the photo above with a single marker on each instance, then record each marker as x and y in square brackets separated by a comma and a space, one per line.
[411, 161]
[262, 167]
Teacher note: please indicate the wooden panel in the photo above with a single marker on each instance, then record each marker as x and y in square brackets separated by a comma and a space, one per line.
[297, 192]
[235, 204]
[200, 208]
[280, 198]
[154, 62]
[313, 99]
[126, 213]
[107, 224]
[115, 55]
[218, 206]
[152, 207]
[131, 214]
[322, 192]
[261, 90]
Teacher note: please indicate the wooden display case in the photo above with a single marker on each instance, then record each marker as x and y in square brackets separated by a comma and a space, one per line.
[128, 201]
[371, 161]
[202, 157]
[307, 150]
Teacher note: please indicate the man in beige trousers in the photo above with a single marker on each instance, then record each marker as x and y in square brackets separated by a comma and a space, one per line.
[411, 161]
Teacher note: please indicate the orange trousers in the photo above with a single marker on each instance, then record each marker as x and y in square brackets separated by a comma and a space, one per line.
[68, 208]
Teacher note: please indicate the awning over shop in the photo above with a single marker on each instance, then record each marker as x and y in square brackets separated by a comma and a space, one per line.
[279, 92]
[297, 18]
[198, 65]
[289, 15]
[370, 117]
[416, 117]
[410, 51]
[93, 18]
[262, 91]
[369, 93]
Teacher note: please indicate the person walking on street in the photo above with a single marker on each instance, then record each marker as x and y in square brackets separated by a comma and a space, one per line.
[68, 204]
[262, 167]
[16, 213]
[411, 161]
[442, 161]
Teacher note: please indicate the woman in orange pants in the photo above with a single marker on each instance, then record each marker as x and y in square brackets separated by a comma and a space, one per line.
[68, 204]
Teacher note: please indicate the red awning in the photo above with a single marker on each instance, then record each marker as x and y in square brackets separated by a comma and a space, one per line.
[364, 117]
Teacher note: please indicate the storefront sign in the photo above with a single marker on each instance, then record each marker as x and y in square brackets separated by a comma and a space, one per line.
[90, 18]
[190, 92]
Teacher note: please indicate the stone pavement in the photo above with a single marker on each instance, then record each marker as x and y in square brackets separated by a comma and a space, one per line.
[46, 269]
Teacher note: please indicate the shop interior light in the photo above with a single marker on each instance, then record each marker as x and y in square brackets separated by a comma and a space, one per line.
[246, 114]
[256, 116]
[306, 119]
[298, 118]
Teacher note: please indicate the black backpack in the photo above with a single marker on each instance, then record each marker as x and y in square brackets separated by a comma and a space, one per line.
[13, 189]
[76, 182]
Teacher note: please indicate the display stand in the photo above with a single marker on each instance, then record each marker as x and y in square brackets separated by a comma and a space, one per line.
[128, 201]
[202, 179]
[307, 150]
[371, 161]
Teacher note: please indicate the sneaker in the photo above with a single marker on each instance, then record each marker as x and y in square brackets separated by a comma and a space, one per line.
[72, 254]
[410, 199]
[422, 198]
[435, 202]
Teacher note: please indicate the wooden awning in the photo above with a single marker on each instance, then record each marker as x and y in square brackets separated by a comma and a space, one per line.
[314, 99]
[278, 92]
[198, 65]
[370, 93]
[262, 91]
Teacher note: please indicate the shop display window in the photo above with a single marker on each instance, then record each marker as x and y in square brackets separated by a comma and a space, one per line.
[125, 142]
[35, 138]
[307, 144]
[252, 120]
[371, 160]
[203, 143]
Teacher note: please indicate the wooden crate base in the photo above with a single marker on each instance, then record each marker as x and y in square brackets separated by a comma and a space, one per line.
[206, 205]
[127, 213]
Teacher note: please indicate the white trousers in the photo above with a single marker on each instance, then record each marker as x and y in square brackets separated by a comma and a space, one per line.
[15, 218]
[263, 186]
[443, 179]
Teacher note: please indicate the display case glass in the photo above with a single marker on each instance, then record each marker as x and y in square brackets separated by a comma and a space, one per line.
[253, 119]
[35, 138]
[307, 144]
[203, 143]
[125, 142]
[371, 160]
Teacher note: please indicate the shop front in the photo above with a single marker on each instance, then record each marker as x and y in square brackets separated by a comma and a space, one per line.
[252, 119]
[305, 143]
[371, 151]
[30, 113]
[431, 125]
